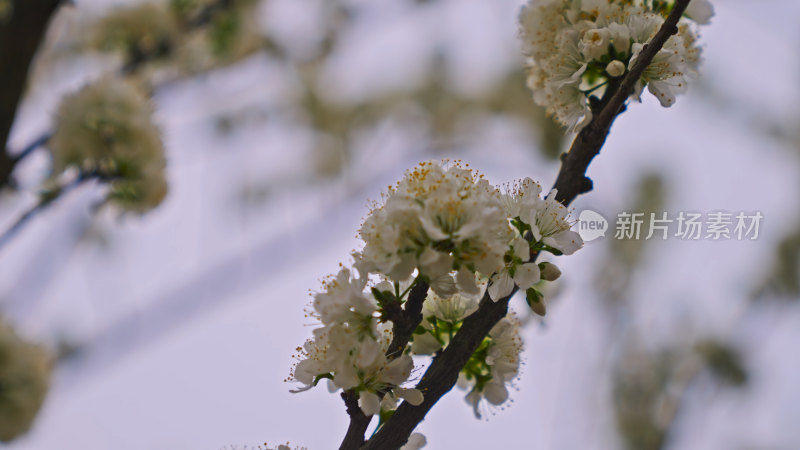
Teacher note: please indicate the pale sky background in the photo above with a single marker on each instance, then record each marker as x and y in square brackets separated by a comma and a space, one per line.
[191, 313]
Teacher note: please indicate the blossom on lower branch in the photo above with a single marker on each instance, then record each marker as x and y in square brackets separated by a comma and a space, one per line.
[443, 227]
[493, 366]
[350, 347]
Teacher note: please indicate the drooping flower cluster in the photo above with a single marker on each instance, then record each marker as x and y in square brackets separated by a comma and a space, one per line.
[576, 47]
[24, 381]
[106, 129]
[350, 347]
[493, 366]
[447, 228]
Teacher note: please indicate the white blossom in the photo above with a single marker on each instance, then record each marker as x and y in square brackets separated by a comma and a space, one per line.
[350, 347]
[107, 129]
[433, 220]
[503, 359]
[24, 381]
[574, 46]
[701, 11]
[549, 224]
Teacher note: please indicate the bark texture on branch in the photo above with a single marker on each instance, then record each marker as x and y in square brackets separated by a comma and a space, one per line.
[442, 374]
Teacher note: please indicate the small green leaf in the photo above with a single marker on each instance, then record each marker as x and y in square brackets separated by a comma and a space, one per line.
[321, 376]
[383, 297]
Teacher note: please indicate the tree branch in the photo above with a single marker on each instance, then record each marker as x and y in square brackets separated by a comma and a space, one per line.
[359, 422]
[43, 202]
[20, 36]
[412, 317]
[572, 180]
[443, 372]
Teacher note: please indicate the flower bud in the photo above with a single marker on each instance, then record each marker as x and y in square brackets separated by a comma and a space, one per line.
[615, 68]
[549, 271]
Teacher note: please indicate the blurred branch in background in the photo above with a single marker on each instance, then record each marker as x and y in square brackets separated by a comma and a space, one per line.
[23, 24]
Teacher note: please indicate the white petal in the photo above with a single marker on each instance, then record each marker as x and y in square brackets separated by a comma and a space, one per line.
[425, 344]
[465, 280]
[415, 442]
[501, 285]
[537, 236]
[435, 264]
[527, 275]
[522, 249]
[413, 396]
[369, 403]
[398, 370]
[346, 377]
[495, 393]
[567, 241]
[368, 350]
[444, 286]
[474, 399]
[388, 403]
[701, 11]
[433, 231]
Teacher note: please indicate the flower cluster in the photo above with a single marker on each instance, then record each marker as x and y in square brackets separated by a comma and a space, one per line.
[188, 35]
[106, 130]
[577, 47]
[493, 366]
[24, 381]
[350, 347]
[449, 229]
[437, 220]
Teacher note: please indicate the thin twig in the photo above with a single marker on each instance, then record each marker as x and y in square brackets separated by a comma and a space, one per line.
[443, 372]
[44, 201]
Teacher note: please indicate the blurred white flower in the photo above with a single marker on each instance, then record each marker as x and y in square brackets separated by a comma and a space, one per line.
[107, 129]
[24, 381]
[415, 442]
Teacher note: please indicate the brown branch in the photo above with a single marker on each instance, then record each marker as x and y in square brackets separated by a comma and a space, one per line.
[412, 317]
[20, 36]
[358, 422]
[443, 372]
[572, 180]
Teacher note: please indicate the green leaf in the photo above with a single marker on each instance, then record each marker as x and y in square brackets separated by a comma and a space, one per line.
[321, 376]
[383, 297]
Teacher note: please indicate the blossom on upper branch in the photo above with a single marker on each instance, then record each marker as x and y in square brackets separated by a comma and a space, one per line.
[575, 47]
